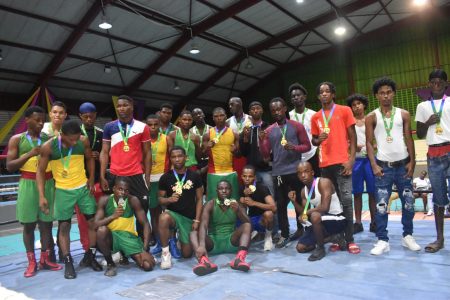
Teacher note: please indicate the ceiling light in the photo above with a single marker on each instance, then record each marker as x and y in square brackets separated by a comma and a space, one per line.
[104, 24]
[340, 30]
[249, 64]
[420, 2]
[299, 1]
[1, 55]
[176, 86]
[194, 49]
[107, 69]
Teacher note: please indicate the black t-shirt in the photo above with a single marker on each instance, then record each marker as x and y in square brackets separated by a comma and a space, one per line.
[259, 196]
[95, 146]
[186, 203]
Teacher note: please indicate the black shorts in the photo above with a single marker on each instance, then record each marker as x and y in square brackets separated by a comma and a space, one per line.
[138, 187]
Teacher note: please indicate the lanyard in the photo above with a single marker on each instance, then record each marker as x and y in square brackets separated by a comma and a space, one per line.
[30, 140]
[325, 119]
[186, 147]
[239, 124]
[219, 134]
[127, 131]
[64, 160]
[283, 132]
[440, 108]
[85, 133]
[179, 182]
[124, 205]
[156, 148]
[308, 198]
[168, 129]
[196, 131]
[303, 115]
[386, 127]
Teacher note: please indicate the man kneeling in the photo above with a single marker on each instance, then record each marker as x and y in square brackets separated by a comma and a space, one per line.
[326, 215]
[115, 221]
[219, 219]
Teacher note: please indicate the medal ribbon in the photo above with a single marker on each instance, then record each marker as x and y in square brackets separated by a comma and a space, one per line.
[85, 134]
[386, 127]
[186, 147]
[325, 119]
[283, 131]
[308, 198]
[219, 134]
[166, 132]
[64, 160]
[180, 183]
[30, 140]
[303, 116]
[440, 109]
[196, 131]
[115, 204]
[127, 131]
[239, 124]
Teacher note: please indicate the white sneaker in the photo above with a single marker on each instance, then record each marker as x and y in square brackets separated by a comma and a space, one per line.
[116, 258]
[166, 260]
[410, 243]
[380, 248]
[254, 234]
[268, 244]
[430, 212]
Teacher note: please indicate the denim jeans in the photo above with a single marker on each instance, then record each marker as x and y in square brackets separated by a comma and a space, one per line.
[343, 186]
[266, 179]
[383, 190]
[439, 173]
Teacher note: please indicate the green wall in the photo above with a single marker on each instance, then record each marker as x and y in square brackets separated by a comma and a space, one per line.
[407, 55]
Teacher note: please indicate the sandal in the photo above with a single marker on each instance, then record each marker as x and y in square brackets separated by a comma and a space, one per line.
[434, 247]
[353, 248]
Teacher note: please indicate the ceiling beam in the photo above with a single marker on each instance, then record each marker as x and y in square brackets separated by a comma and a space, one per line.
[71, 41]
[103, 63]
[288, 34]
[147, 46]
[436, 14]
[184, 38]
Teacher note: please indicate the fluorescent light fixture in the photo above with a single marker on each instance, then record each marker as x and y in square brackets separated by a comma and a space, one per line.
[107, 69]
[420, 2]
[176, 86]
[194, 49]
[104, 23]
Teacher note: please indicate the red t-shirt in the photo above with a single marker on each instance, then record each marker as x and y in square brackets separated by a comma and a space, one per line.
[126, 163]
[334, 150]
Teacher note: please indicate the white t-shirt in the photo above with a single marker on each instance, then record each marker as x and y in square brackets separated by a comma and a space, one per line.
[361, 140]
[308, 113]
[422, 184]
[424, 112]
[238, 126]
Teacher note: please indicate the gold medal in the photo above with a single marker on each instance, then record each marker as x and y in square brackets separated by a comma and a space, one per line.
[439, 130]
[389, 139]
[283, 142]
[126, 148]
[252, 188]
[326, 130]
[248, 124]
[64, 173]
[304, 217]
[215, 140]
[179, 190]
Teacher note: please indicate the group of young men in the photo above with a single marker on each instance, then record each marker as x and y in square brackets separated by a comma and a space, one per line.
[249, 171]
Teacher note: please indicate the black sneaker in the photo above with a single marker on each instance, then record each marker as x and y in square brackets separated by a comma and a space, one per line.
[357, 228]
[111, 270]
[317, 254]
[282, 242]
[296, 235]
[90, 261]
[69, 270]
